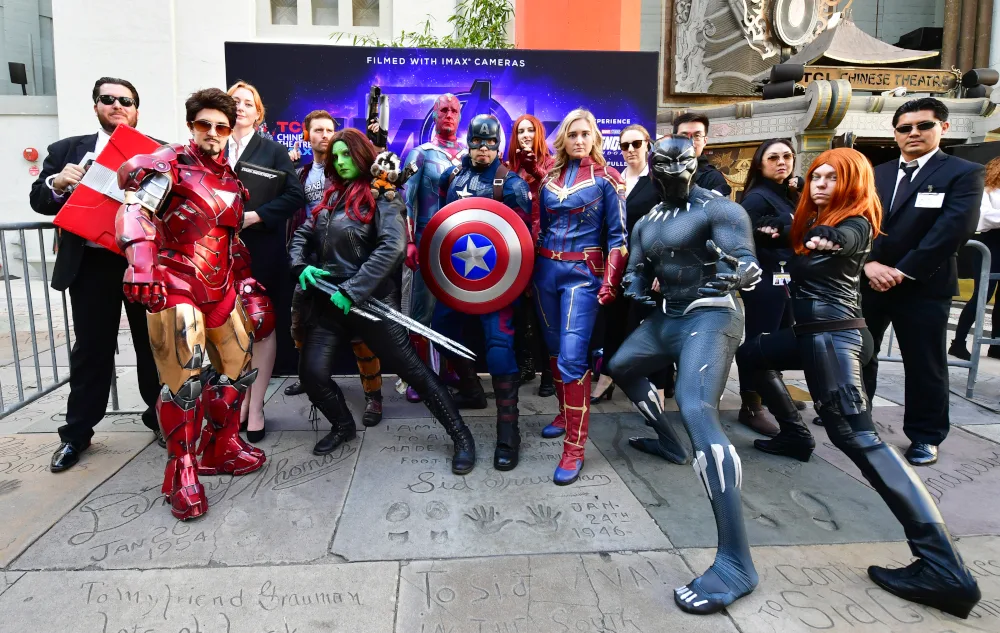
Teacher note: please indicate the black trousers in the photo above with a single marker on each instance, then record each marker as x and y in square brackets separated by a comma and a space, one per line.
[767, 308]
[96, 296]
[332, 329]
[832, 364]
[921, 327]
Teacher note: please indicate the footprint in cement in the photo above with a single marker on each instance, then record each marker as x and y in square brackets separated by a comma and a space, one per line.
[399, 511]
[436, 510]
[818, 511]
[759, 516]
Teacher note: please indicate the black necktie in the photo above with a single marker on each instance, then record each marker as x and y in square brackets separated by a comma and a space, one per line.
[903, 190]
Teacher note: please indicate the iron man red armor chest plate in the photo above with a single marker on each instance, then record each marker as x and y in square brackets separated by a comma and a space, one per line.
[202, 217]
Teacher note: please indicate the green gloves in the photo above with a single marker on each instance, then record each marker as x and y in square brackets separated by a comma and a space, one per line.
[310, 274]
[341, 301]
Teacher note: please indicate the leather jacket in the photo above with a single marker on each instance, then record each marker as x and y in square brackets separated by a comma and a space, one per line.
[825, 285]
[360, 257]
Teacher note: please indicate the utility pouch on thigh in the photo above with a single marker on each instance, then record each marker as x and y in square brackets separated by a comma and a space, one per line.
[594, 256]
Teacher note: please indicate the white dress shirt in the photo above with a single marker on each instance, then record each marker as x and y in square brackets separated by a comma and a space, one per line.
[237, 146]
[102, 142]
[631, 179]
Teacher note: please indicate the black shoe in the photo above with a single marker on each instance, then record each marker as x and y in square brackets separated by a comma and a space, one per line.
[335, 410]
[801, 406]
[795, 446]
[547, 387]
[65, 457]
[464, 458]
[958, 350]
[256, 437]
[919, 582]
[505, 456]
[295, 389]
[921, 454]
[160, 440]
[604, 395]
[373, 409]
[653, 446]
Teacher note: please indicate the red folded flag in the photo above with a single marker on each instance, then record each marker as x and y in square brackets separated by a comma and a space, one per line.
[91, 208]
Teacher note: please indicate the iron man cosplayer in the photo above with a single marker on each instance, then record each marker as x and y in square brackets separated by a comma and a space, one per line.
[178, 229]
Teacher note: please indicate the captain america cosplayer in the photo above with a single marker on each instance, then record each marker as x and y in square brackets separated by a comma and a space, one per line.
[483, 175]
[427, 162]
[699, 245]
[581, 259]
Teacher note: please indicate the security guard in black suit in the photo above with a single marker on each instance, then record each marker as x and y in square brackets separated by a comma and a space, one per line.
[93, 276]
[930, 206]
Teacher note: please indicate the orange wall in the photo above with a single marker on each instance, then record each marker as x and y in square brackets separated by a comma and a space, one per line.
[606, 25]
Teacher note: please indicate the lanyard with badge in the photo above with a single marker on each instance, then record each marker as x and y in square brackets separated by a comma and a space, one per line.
[781, 278]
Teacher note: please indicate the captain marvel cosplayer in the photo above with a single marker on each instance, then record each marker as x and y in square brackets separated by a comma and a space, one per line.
[582, 252]
[178, 229]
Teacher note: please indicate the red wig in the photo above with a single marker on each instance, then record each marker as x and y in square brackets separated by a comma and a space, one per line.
[357, 194]
[853, 195]
[539, 147]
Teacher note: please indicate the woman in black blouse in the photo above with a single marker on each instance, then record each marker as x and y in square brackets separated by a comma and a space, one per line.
[767, 195]
[264, 233]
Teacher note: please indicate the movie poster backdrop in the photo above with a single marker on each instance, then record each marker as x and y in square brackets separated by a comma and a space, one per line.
[294, 79]
[620, 88]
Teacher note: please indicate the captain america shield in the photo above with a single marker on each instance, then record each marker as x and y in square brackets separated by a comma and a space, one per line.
[476, 255]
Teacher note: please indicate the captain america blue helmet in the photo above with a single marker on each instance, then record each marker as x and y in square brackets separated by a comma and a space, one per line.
[484, 131]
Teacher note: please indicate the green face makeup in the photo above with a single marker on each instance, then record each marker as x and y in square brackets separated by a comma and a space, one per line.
[343, 163]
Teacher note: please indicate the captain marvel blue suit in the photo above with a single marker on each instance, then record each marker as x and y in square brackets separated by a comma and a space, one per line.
[581, 258]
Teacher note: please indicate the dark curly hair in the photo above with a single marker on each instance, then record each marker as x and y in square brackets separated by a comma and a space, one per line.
[211, 99]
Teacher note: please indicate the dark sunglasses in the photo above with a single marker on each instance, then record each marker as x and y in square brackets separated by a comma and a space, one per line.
[923, 126]
[636, 145]
[205, 127]
[127, 102]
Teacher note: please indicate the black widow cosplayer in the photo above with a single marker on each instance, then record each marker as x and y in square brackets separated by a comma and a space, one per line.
[358, 244]
[832, 234]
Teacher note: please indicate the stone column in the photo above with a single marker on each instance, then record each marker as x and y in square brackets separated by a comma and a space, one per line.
[967, 38]
[984, 32]
[949, 43]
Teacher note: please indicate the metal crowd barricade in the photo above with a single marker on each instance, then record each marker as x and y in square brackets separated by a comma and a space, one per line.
[978, 340]
[24, 394]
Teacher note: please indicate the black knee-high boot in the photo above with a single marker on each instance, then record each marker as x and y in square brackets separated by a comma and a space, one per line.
[335, 409]
[938, 578]
[505, 457]
[794, 439]
[444, 410]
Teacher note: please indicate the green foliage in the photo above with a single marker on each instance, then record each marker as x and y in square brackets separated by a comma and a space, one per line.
[476, 24]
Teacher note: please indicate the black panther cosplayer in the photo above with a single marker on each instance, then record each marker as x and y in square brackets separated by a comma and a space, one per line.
[699, 246]
[832, 236]
[358, 244]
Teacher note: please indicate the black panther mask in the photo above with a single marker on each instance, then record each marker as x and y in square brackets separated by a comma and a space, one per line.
[672, 165]
[484, 131]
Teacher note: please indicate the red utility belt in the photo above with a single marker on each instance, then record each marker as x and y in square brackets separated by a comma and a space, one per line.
[593, 256]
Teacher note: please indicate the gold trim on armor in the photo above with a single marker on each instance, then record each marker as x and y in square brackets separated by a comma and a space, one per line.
[177, 340]
[231, 344]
